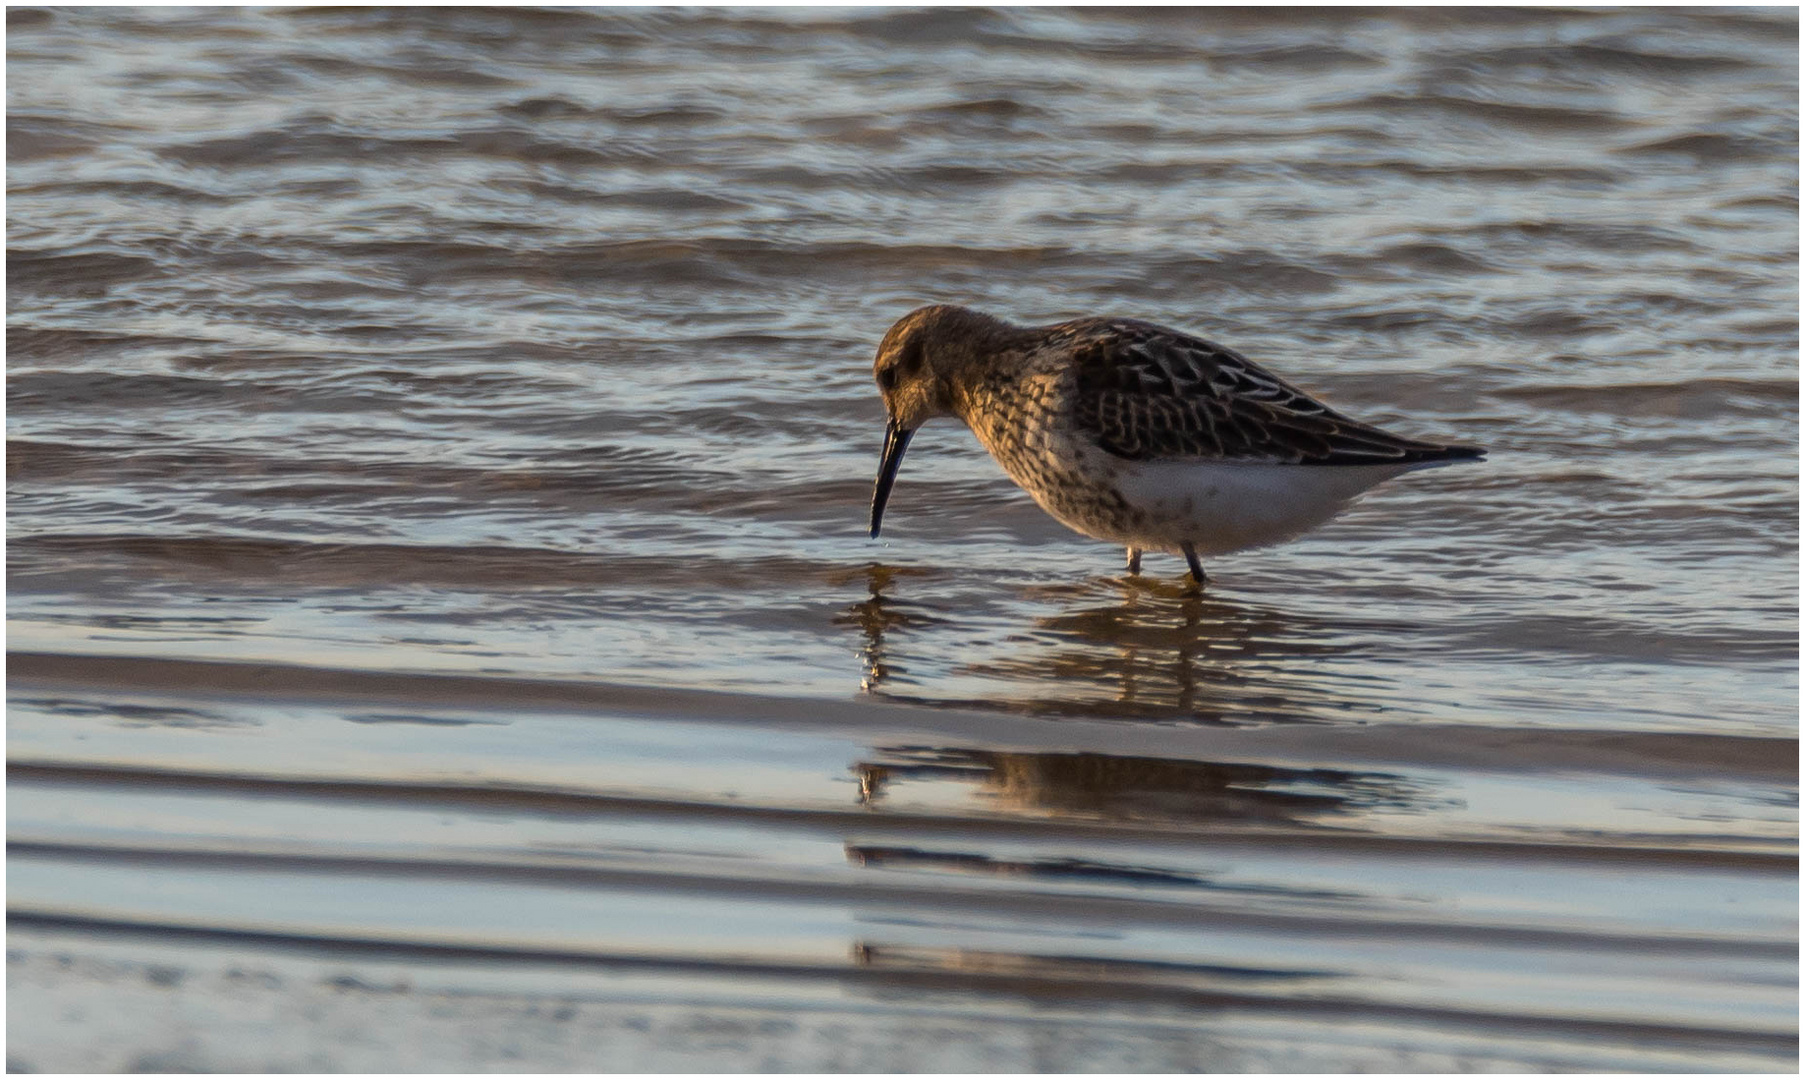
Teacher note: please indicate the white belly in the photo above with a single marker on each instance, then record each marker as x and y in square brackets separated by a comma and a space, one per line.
[1223, 506]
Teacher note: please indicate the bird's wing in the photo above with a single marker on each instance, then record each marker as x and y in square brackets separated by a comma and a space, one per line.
[1142, 391]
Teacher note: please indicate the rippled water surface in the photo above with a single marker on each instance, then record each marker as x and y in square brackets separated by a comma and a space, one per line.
[438, 449]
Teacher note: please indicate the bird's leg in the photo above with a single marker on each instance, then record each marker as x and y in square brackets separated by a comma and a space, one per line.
[1197, 573]
[1134, 561]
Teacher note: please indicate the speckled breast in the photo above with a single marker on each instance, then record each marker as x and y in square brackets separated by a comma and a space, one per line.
[1024, 426]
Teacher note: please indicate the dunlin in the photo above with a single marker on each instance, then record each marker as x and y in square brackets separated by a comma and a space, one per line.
[1134, 433]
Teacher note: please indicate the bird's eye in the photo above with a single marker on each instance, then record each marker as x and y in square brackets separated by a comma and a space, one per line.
[911, 358]
[886, 378]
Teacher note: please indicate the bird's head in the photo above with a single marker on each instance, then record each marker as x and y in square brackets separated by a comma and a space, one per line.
[910, 367]
[912, 370]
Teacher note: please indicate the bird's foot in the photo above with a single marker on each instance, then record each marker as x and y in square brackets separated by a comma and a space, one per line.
[1197, 575]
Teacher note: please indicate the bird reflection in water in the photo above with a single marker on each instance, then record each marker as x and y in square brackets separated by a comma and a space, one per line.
[1183, 796]
[1157, 650]
[1147, 789]
[875, 618]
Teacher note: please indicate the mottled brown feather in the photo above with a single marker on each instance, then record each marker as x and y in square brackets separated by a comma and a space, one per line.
[1143, 392]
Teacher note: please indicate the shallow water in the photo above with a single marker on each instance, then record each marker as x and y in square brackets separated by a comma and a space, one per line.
[533, 348]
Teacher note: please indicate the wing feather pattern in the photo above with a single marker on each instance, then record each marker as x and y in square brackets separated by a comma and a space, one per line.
[1144, 392]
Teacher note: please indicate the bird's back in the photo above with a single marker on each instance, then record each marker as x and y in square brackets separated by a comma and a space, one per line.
[1143, 392]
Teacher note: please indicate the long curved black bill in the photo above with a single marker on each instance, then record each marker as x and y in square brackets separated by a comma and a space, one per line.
[896, 440]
